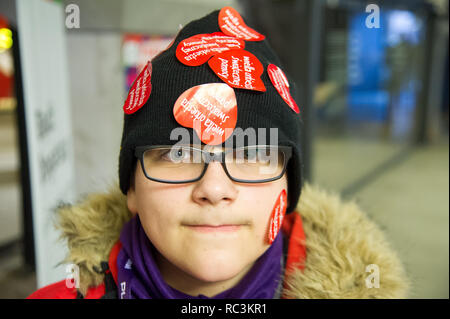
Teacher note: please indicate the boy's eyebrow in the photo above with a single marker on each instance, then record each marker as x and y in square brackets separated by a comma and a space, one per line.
[208, 148]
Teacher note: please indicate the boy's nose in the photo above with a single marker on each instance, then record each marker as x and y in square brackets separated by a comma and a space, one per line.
[215, 187]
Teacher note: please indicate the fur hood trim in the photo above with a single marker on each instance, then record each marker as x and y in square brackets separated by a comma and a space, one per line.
[342, 246]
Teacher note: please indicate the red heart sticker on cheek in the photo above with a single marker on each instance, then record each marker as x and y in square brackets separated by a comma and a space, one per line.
[140, 90]
[281, 83]
[210, 109]
[276, 219]
[239, 69]
[197, 49]
[231, 23]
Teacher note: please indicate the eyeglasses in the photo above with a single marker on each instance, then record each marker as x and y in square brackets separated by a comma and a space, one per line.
[176, 164]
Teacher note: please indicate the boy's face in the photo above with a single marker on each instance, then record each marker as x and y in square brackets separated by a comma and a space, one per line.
[212, 230]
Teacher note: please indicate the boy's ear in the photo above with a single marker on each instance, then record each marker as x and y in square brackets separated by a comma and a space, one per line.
[132, 201]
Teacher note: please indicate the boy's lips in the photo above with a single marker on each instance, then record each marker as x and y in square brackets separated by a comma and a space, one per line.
[215, 228]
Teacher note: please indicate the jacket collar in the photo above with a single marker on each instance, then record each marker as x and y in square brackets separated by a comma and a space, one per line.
[341, 244]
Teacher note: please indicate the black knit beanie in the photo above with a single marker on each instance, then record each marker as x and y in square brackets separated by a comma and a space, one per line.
[154, 121]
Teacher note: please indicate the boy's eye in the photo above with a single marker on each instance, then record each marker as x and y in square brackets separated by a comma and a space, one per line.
[250, 154]
[176, 155]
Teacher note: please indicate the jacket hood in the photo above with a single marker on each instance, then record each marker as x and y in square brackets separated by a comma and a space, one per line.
[343, 246]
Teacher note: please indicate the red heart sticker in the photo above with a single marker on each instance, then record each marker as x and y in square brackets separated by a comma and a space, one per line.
[231, 23]
[239, 69]
[281, 83]
[197, 49]
[210, 109]
[276, 219]
[140, 90]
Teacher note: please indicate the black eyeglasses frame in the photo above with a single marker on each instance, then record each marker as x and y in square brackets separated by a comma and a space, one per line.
[213, 156]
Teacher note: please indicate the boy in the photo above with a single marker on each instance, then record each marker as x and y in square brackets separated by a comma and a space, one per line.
[211, 169]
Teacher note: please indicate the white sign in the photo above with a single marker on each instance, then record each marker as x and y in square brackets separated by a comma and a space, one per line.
[41, 28]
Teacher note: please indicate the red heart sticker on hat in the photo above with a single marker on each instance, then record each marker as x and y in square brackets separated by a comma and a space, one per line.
[239, 69]
[197, 49]
[276, 219]
[280, 82]
[231, 23]
[140, 90]
[210, 109]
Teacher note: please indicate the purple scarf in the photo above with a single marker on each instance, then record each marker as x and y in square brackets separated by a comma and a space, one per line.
[140, 278]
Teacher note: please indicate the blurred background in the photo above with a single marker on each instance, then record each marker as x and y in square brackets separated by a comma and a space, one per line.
[373, 93]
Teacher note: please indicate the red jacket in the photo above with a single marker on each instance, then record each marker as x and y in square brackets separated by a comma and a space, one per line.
[292, 228]
[340, 241]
